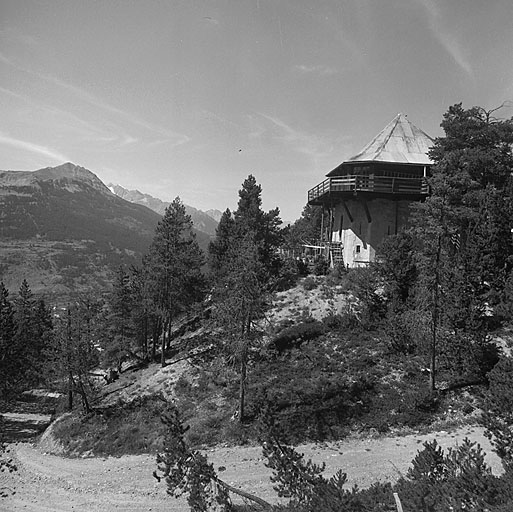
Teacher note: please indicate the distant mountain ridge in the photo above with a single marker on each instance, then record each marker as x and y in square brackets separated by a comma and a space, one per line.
[203, 221]
[63, 230]
[68, 175]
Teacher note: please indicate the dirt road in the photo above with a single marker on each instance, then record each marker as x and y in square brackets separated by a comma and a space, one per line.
[51, 483]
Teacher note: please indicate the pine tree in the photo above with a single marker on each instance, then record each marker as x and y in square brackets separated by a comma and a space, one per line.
[220, 246]
[306, 229]
[244, 262]
[174, 261]
[8, 355]
[466, 247]
[264, 226]
[498, 412]
[26, 344]
[73, 352]
[248, 218]
[143, 318]
[240, 301]
[120, 333]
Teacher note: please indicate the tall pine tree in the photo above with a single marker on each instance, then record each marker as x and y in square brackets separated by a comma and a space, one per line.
[464, 230]
[9, 358]
[247, 220]
[174, 263]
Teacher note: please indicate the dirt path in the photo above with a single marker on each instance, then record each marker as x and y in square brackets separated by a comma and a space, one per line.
[51, 483]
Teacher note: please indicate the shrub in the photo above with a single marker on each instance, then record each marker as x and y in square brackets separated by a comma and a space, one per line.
[124, 428]
[498, 411]
[289, 275]
[321, 267]
[365, 284]
[459, 480]
[296, 335]
[309, 283]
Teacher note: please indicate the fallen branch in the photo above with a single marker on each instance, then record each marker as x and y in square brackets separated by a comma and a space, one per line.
[464, 384]
[246, 495]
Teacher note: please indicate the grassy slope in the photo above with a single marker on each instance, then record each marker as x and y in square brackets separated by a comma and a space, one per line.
[343, 380]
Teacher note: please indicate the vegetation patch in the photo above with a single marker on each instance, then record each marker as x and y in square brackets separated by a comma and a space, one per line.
[117, 430]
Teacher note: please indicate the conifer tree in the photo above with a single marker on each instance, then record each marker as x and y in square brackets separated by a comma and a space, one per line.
[120, 332]
[306, 229]
[245, 262]
[219, 247]
[248, 218]
[174, 261]
[73, 352]
[464, 229]
[8, 354]
[143, 318]
[26, 343]
[240, 303]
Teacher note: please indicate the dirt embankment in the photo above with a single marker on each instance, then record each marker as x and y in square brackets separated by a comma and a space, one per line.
[52, 483]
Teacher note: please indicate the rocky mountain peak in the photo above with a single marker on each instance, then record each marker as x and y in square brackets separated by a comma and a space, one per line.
[70, 176]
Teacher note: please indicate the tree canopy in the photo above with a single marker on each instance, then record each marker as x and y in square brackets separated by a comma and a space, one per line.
[248, 220]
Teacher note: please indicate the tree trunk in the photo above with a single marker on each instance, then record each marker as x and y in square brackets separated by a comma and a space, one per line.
[168, 342]
[83, 394]
[145, 337]
[163, 346]
[70, 391]
[242, 384]
[156, 330]
[435, 316]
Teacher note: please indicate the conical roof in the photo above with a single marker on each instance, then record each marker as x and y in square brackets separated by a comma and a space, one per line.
[399, 142]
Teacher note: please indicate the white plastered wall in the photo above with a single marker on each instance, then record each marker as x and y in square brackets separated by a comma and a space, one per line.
[359, 237]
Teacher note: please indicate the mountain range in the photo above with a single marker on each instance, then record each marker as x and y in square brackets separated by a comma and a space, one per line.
[63, 230]
[203, 221]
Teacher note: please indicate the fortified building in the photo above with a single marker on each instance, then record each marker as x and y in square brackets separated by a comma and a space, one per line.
[368, 197]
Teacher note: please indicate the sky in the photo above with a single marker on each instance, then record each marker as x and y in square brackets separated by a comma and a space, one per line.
[188, 97]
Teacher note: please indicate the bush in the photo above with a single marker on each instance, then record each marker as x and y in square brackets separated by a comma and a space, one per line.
[498, 411]
[459, 480]
[296, 335]
[124, 428]
[371, 307]
[290, 273]
[309, 283]
[321, 267]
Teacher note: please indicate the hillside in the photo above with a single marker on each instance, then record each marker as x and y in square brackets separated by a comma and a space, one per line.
[203, 221]
[65, 232]
[335, 390]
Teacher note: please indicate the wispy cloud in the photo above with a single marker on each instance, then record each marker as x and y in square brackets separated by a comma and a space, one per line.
[33, 148]
[172, 137]
[12, 34]
[70, 123]
[12, 93]
[448, 40]
[5, 60]
[318, 70]
[313, 146]
[176, 138]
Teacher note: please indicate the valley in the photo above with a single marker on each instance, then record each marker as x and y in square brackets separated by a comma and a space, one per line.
[65, 232]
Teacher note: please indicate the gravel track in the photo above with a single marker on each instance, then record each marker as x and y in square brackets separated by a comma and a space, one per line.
[47, 482]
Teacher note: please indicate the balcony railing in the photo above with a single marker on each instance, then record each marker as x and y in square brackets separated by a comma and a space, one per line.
[375, 184]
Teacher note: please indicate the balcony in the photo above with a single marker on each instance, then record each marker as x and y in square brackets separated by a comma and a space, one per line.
[412, 188]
